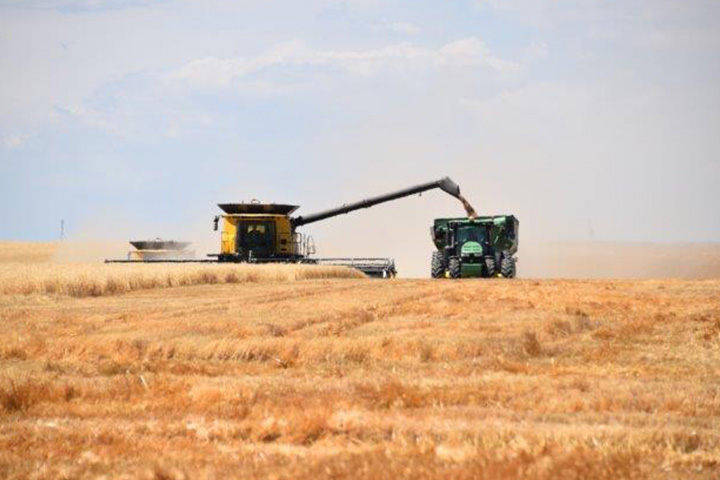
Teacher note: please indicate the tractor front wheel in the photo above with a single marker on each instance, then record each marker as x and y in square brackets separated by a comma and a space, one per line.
[455, 268]
[507, 267]
[437, 269]
[489, 267]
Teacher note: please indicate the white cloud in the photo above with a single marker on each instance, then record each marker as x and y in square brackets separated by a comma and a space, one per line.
[91, 117]
[663, 25]
[538, 49]
[69, 6]
[405, 27]
[221, 72]
[15, 140]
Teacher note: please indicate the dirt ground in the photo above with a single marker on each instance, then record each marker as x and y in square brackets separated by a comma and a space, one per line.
[333, 378]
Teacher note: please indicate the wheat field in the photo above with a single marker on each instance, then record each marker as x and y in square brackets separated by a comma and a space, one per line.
[289, 376]
[29, 269]
[96, 280]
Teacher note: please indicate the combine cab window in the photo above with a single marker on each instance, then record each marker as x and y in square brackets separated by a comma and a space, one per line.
[471, 234]
[258, 238]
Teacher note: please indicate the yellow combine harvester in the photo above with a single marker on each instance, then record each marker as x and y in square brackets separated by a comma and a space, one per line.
[266, 232]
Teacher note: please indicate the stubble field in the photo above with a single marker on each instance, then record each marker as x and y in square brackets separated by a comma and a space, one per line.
[282, 373]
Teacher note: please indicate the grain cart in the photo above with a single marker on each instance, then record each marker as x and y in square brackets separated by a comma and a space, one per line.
[474, 247]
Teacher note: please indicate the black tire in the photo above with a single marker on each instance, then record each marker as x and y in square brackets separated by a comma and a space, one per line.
[490, 270]
[437, 267]
[507, 267]
[455, 268]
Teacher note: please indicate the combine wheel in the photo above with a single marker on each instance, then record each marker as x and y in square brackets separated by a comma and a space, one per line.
[489, 267]
[507, 267]
[455, 268]
[437, 269]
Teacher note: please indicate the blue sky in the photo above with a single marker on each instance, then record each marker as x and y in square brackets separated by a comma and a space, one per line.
[589, 119]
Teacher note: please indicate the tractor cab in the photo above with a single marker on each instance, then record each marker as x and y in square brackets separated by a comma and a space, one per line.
[477, 233]
[474, 247]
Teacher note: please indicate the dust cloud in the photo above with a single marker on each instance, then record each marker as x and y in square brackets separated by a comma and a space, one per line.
[90, 251]
[400, 230]
[355, 235]
[108, 236]
[618, 260]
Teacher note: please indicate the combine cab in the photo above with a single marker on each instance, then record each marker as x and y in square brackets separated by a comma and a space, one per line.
[475, 247]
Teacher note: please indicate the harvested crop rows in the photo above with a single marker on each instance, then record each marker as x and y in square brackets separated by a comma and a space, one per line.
[329, 378]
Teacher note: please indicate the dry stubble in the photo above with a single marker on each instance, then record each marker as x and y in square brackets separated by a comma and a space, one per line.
[332, 378]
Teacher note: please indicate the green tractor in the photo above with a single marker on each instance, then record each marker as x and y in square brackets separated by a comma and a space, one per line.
[475, 247]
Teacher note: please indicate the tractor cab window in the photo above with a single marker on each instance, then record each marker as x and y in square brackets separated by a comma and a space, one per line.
[471, 234]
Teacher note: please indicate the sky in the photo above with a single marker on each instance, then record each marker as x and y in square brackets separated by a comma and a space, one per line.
[590, 120]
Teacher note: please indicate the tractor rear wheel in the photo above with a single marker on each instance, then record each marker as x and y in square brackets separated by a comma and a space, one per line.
[507, 267]
[489, 267]
[437, 269]
[455, 268]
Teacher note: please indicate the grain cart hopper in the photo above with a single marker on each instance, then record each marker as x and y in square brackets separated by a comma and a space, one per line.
[266, 232]
[475, 247]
